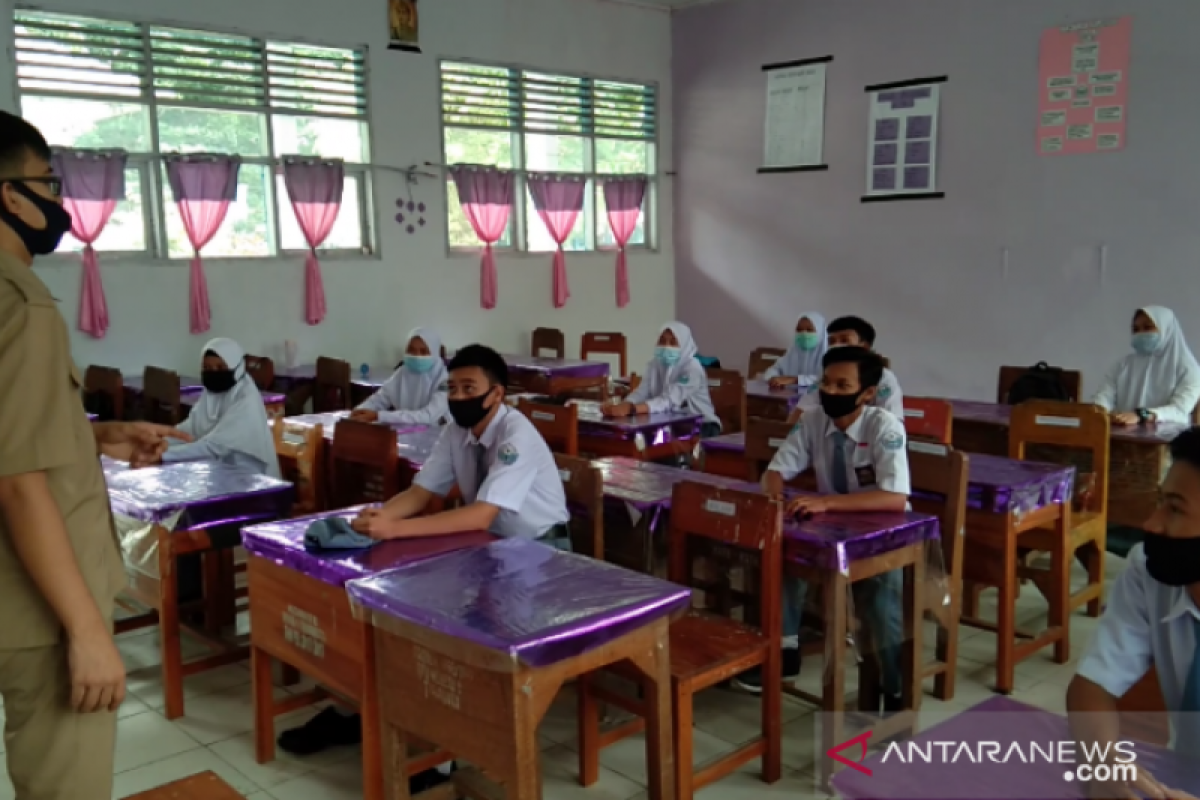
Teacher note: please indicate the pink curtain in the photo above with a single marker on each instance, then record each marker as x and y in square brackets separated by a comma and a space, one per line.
[623, 198]
[204, 184]
[315, 189]
[93, 183]
[558, 200]
[486, 195]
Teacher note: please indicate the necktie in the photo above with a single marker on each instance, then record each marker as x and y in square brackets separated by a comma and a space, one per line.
[1187, 737]
[840, 484]
[481, 466]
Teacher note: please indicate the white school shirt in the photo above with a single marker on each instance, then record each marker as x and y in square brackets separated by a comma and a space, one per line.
[682, 388]
[877, 458]
[1144, 622]
[399, 402]
[522, 476]
[888, 396]
[1166, 382]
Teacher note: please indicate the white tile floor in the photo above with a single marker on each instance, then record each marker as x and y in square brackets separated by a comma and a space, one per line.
[216, 733]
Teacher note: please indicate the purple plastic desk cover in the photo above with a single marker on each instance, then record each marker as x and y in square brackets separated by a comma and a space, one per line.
[556, 367]
[1006, 722]
[835, 541]
[762, 390]
[996, 414]
[207, 493]
[726, 443]
[414, 443]
[283, 543]
[1001, 485]
[191, 396]
[648, 486]
[654, 428]
[536, 604]
[136, 383]
[92, 417]
[289, 379]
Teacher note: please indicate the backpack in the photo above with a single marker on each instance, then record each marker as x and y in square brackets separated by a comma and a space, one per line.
[709, 362]
[1039, 382]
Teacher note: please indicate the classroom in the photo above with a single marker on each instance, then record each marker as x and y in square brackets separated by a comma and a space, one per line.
[609, 399]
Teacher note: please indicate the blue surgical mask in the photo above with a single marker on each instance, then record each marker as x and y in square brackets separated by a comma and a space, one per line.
[667, 355]
[806, 340]
[418, 364]
[1146, 343]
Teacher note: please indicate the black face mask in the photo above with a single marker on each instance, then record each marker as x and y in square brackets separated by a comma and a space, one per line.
[218, 381]
[1173, 562]
[837, 406]
[38, 242]
[470, 412]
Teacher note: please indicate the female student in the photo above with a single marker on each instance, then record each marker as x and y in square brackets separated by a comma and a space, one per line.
[802, 361]
[674, 381]
[1159, 381]
[416, 392]
[229, 423]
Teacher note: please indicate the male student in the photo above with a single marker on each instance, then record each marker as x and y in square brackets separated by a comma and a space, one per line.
[61, 676]
[506, 474]
[858, 453]
[1152, 617]
[857, 332]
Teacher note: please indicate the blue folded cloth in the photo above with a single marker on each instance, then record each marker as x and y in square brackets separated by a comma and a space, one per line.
[335, 533]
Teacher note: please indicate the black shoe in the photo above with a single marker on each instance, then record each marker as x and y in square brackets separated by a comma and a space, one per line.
[892, 704]
[429, 779]
[751, 680]
[325, 730]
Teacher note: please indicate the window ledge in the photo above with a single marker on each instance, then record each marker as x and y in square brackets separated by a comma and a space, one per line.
[60, 260]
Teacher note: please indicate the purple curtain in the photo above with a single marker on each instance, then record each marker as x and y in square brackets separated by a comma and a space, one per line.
[486, 195]
[623, 198]
[203, 184]
[93, 184]
[558, 200]
[315, 189]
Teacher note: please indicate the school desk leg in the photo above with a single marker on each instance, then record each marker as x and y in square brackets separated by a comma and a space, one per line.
[168, 626]
[372, 744]
[588, 723]
[264, 706]
[658, 691]
[833, 693]
[1060, 604]
[1006, 618]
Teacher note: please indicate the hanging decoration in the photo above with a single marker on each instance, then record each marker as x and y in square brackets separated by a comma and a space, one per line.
[404, 30]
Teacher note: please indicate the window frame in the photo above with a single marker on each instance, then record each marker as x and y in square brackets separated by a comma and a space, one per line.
[520, 219]
[150, 165]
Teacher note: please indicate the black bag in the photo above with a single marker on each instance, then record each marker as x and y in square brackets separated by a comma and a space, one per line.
[1039, 382]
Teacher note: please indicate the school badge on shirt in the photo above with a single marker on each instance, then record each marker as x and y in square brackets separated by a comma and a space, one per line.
[507, 455]
[885, 391]
[683, 379]
[893, 441]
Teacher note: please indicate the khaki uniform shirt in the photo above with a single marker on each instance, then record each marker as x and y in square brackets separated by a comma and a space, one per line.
[43, 428]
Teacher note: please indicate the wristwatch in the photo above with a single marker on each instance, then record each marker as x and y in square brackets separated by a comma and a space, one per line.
[1144, 415]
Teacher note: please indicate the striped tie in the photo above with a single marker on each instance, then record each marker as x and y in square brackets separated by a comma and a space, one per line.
[840, 484]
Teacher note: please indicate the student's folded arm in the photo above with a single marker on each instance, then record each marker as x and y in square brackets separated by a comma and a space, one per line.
[772, 371]
[201, 450]
[431, 414]
[877, 500]
[1182, 403]
[792, 457]
[409, 503]
[1106, 398]
[642, 393]
[436, 478]
[377, 402]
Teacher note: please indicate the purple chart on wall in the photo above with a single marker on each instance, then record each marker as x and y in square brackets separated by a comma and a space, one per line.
[903, 140]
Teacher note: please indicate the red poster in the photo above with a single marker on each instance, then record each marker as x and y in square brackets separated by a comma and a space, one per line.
[1083, 87]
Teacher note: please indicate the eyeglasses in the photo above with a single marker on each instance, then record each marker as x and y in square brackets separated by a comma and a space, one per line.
[52, 182]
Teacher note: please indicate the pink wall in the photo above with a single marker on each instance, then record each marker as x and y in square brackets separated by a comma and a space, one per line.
[752, 251]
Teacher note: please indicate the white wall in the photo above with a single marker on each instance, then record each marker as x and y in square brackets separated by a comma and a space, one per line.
[374, 302]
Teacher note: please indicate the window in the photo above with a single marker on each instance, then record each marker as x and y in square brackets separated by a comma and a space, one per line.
[538, 122]
[94, 83]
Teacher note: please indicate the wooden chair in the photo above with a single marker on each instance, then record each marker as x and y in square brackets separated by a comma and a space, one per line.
[262, 370]
[928, 419]
[1075, 427]
[104, 393]
[302, 461]
[1072, 382]
[939, 485]
[763, 438]
[608, 343]
[365, 464]
[1144, 712]
[160, 396]
[548, 339]
[584, 485]
[709, 525]
[727, 390]
[331, 389]
[762, 359]
[558, 425]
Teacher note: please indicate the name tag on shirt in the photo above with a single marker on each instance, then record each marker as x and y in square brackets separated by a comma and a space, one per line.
[865, 475]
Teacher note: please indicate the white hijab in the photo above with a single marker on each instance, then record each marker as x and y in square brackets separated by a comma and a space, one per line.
[237, 419]
[407, 390]
[687, 353]
[796, 362]
[1149, 381]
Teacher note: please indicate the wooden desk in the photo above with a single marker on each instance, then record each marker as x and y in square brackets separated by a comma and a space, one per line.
[188, 508]
[555, 376]
[647, 437]
[476, 645]
[300, 615]
[726, 455]
[766, 403]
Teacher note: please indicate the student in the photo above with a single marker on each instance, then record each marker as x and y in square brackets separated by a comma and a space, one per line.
[1159, 381]
[508, 479]
[416, 392]
[857, 332]
[801, 364]
[229, 422]
[674, 381]
[858, 452]
[1152, 618]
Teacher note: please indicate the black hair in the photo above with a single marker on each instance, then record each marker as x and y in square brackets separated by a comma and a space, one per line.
[864, 329]
[870, 365]
[487, 359]
[1186, 447]
[18, 139]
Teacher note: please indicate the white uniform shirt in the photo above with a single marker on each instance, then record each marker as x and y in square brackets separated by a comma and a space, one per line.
[876, 457]
[682, 389]
[522, 477]
[888, 396]
[1144, 622]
